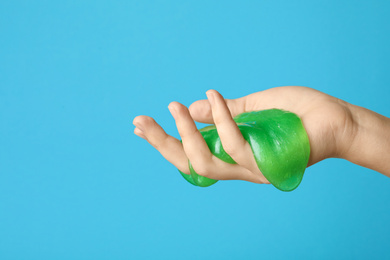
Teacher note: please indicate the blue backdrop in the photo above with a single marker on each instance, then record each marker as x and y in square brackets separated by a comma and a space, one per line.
[76, 183]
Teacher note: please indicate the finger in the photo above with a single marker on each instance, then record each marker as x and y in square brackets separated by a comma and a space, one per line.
[226, 171]
[197, 151]
[194, 145]
[231, 138]
[201, 110]
[173, 151]
[169, 147]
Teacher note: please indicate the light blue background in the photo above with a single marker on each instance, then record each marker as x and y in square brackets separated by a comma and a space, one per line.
[76, 183]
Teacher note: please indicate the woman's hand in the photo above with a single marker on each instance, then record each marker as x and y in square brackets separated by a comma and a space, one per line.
[329, 123]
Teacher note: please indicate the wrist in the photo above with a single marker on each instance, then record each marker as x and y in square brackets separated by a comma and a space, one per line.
[331, 130]
[369, 145]
[347, 130]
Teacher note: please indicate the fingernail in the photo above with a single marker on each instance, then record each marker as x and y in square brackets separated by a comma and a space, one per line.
[210, 96]
[139, 133]
[139, 129]
[172, 110]
[139, 126]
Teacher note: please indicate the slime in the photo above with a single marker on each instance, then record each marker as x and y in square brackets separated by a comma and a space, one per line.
[279, 144]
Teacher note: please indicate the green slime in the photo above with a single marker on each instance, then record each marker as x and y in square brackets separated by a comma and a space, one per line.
[279, 144]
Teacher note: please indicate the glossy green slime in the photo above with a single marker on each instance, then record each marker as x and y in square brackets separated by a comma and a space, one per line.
[279, 144]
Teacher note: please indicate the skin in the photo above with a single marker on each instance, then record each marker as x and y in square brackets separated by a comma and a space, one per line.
[335, 128]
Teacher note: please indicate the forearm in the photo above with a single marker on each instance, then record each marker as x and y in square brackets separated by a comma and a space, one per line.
[371, 140]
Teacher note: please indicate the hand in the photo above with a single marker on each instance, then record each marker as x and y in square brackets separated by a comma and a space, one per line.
[327, 120]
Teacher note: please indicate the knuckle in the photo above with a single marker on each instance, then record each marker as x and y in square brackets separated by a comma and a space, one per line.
[164, 141]
[219, 120]
[148, 120]
[202, 170]
[230, 149]
[155, 144]
[189, 133]
[234, 147]
[239, 151]
[160, 141]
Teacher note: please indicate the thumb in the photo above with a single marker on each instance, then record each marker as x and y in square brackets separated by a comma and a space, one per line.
[201, 110]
